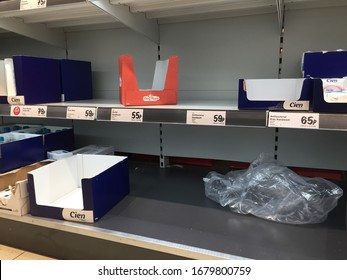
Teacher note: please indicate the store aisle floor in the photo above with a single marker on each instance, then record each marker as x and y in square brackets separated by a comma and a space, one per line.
[9, 253]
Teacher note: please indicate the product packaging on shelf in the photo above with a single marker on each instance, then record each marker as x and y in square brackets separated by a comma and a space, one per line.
[58, 154]
[164, 88]
[80, 188]
[329, 70]
[54, 137]
[15, 127]
[330, 95]
[29, 80]
[20, 149]
[324, 64]
[14, 197]
[76, 79]
[90, 150]
[287, 94]
[37, 79]
[95, 150]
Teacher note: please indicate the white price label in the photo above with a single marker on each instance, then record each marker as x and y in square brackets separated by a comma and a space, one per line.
[81, 113]
[206, 117]
[293, 120]
[127, 115]
[32, 4]
[28, 111]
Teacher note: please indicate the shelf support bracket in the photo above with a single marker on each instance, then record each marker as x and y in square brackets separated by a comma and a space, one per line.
[280, 13]
[136, 21]
[35, 31]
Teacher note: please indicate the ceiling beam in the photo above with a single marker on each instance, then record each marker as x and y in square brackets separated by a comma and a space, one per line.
[136, 21]
[40, 32]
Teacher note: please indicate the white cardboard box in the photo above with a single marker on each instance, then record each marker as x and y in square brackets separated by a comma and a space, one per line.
[78, 188]
[287, 94]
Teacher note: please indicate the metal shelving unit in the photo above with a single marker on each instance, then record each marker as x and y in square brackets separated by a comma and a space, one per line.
[166, 214]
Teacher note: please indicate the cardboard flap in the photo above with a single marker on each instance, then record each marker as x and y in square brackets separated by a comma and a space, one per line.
[127, 74]
[12, 177]
[10, 78]
[3, 85]
[160, 73]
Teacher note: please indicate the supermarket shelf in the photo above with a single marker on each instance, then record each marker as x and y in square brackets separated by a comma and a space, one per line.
[167, 215]
[175, 114]
[333, 121]
[323, 121]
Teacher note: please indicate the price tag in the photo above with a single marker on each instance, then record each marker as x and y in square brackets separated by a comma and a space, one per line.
[81, 113]
[293, 120]
[127, 115]
[28, 111]
[206, 117]
[32, 4]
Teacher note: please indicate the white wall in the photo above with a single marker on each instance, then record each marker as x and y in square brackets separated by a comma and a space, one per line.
[215, 54]
[18, 45]
[103, 47]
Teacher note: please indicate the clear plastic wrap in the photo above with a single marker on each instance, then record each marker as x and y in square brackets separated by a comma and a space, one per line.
[269, 190]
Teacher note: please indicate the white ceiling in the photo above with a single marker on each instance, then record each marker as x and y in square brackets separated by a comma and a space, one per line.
[84, 13]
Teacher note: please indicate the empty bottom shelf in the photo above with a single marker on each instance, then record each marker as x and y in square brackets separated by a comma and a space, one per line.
[167, 216]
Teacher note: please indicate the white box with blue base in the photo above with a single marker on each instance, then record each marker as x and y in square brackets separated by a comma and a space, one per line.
[80, 188]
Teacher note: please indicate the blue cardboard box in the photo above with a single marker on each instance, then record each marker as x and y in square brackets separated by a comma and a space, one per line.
[19, 149]
[283, 94]
[37, 79]
[76, 80]
[325, 64]
[81, 188]
[54, 137]
[46, 80]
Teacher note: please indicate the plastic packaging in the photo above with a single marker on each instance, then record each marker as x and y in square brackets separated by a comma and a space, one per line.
[95, 150]
[269, 190]
[59, 154]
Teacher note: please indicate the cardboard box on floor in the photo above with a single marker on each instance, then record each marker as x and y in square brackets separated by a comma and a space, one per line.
[14, 198]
